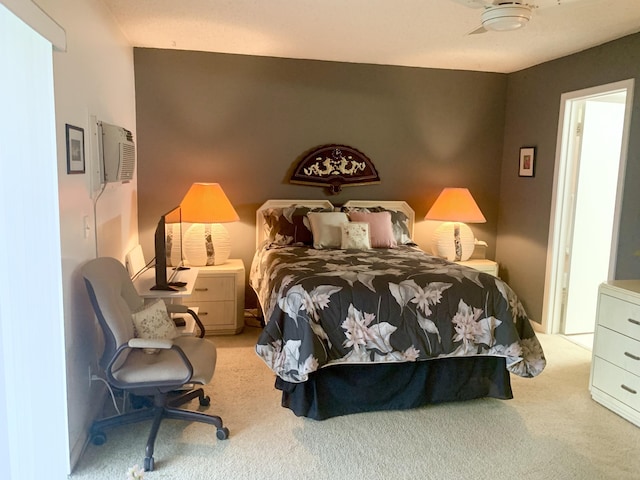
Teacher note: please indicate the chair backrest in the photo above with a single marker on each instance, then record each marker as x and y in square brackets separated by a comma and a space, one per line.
[134, 260]
[114, 299]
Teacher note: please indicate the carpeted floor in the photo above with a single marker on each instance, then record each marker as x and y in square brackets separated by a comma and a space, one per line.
[550, 430]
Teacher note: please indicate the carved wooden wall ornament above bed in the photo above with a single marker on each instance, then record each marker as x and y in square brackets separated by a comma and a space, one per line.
[335, 166]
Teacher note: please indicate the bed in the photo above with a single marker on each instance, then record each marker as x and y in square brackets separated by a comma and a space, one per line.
[353, 327]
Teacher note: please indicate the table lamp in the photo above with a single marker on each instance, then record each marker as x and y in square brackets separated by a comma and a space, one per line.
[207, 242]
[454, 239]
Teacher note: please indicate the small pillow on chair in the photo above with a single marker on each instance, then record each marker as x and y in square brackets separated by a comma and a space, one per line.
[153, 321]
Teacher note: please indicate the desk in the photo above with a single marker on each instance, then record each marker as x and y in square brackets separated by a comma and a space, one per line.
[147, 279]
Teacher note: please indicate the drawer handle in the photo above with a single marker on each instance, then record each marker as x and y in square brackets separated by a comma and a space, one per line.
[635, 322]
[206, 290]
[203, 314]
[628, 389]
[631, 355]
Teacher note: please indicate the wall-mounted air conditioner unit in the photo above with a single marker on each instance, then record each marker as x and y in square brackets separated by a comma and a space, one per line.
[117, 153]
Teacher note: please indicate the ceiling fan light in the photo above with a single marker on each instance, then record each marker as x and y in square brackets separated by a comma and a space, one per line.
[506, 17]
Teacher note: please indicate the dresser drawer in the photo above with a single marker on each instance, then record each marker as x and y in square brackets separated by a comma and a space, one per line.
[620, 316]
[209, 288]
[618, 349]
[616, 382]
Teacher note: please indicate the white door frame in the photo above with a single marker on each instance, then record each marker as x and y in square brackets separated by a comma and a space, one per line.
[551, 311]
[33, 376]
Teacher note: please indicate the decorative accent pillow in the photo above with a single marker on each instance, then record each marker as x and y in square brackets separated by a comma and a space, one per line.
[325, 227]
[399, 222]
[355, 235]
[380, 228]
[153, 321]
[289, 225]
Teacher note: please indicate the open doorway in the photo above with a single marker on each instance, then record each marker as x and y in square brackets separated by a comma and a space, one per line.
[583, 234]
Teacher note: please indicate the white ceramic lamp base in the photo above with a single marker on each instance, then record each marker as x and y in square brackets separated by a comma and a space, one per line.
[206, 244]
[453, 241]
[173, 244]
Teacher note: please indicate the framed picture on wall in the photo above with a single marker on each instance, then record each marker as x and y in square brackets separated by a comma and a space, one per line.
[75, 149]
[527, 161]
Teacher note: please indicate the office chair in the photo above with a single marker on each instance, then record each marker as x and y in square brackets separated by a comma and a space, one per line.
[185, 360]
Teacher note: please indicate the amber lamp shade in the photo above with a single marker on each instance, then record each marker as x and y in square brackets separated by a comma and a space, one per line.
[206, 207]
[456, 207]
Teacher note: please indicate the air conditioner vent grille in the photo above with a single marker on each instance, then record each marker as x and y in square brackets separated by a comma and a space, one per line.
[128, 156]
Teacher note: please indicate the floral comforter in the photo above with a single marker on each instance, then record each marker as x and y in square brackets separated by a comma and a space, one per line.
[326, 307]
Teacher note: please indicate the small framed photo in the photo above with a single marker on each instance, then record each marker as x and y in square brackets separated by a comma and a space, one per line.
[75, 149]
[527, 161]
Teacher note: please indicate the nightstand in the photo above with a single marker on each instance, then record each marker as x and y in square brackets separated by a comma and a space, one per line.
[482, 264]
[219, 296]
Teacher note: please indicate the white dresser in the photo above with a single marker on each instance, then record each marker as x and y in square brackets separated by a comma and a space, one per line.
[615, 369]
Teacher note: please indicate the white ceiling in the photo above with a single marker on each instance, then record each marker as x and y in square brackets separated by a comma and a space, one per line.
[419, 33]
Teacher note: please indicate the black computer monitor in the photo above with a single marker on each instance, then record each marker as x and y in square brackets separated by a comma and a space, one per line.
[163, 250]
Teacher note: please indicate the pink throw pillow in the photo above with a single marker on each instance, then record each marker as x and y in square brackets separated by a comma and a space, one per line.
[380, 228]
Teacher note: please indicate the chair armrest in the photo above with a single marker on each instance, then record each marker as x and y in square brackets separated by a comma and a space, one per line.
[177, 308]
[147, 343]
[198, 322]
[150, 343]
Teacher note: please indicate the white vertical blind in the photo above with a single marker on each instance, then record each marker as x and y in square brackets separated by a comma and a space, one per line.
[33, 413]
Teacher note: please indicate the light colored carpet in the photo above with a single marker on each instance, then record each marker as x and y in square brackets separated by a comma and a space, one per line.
[550, 430]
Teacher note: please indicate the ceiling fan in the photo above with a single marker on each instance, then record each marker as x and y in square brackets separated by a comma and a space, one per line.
[506, 15]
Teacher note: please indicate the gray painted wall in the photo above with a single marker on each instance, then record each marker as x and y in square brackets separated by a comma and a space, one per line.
[243, 122]
[532, 114]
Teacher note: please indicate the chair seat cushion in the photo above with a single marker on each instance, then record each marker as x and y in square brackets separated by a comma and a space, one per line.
[167, 366]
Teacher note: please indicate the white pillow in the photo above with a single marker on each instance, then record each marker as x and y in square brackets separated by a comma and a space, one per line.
[325, 227]
[355, 235]
[153, 321]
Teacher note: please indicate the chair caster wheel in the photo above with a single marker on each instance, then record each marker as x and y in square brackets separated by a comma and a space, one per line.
[205, 401]
[98, 438]
[148, 464]
[222, 433]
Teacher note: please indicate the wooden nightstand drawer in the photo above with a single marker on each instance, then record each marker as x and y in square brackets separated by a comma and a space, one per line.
[618, 349]
[216, 316]
[620, 316]
[207, 288]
